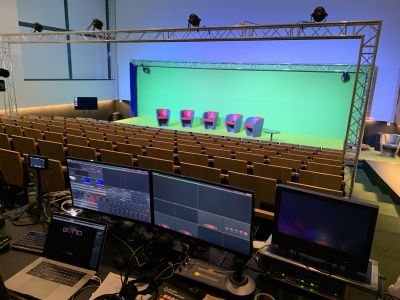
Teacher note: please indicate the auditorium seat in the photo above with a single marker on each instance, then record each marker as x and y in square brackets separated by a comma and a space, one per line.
[316, 188]
[139, 141]
[101, 144]
[264, 188]
[200, 172]
[323, 168]
[250, 157]
[52, 150]
[300, 151]
[40, 126]
[328, 161]
[24, 145]
[265, 152]
[230, 164]
[160, 153]
[153, 163]
[54, 137]
[135, 150]
[5, 141]
[218, 152]
[115, 157]
[83, 152]
[52, 179]
[54, 128]
[13, 130]
[194, 148]
[94, 135]
[77, 140]
[338, 157]
[74, 131]
[295, 164]
[11, 168]
[23, 123]
[163, 145]
[7, 121]
[194, 158]
[116, 138]
[282, 174]
[33, 133]
[302, 157]
[72, 126]
[328, 181]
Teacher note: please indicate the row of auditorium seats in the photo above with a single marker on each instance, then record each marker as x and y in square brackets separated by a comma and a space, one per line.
[248, 164]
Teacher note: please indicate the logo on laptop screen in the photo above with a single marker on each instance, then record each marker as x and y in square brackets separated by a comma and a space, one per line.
[72, 231]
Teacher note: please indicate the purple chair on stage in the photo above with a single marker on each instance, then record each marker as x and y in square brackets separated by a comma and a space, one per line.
[187, 117]
[163, 116]
[233, 122]
[253, 126]
[210, 119]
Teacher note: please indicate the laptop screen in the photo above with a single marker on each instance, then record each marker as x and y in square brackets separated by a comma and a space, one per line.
[75, 241]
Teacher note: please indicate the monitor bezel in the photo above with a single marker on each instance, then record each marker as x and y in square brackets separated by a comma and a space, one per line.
[114, 165]
[78, 107]
[220, 185]
[341, 258]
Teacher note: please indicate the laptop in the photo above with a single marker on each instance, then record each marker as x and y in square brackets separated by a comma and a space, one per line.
[71, 256]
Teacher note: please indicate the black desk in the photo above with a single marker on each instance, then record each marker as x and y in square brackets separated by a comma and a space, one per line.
[11, 261]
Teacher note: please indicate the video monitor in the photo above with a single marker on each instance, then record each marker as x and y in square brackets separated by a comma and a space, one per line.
[327, 227]
[38, 162]
[217, 214]
[112, 190]
[85, 103]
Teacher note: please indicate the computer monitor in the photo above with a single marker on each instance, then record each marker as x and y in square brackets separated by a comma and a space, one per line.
[217, 214]
[327, 227]
[85, 103]
[111, 190]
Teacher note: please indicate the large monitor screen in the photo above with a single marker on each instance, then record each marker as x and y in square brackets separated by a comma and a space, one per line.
[111, 190]
[83, 103]
[326, 227]
[214, 213]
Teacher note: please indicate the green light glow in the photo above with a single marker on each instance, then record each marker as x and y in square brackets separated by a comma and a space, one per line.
[300, 103]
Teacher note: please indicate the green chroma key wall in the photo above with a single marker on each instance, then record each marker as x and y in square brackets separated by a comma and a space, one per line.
[296, 102]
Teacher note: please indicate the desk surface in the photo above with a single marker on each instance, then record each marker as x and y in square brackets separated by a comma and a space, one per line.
[11, 261]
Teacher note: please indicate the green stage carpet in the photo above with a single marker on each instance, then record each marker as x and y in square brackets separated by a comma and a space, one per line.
[283, 137]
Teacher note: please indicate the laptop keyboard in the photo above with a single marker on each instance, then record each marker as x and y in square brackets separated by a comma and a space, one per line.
[56, 273]
[31, 241]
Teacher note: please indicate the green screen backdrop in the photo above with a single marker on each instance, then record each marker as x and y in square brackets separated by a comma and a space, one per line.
[306, 103]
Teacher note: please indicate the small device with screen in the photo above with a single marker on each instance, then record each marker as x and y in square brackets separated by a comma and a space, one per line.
[38, 162]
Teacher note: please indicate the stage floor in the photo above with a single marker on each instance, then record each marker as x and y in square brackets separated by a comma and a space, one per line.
[316, 141]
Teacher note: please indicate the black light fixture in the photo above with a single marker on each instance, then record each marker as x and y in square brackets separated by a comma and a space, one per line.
[194, 20]
[345, 77]
[4, 73]
[97, 24]
[37, 27]
[145, 69]
[319, 14]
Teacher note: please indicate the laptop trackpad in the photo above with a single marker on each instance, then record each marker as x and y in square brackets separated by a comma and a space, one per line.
[38, 287]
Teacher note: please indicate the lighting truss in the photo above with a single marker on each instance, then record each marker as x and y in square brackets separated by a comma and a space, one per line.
[367, 32]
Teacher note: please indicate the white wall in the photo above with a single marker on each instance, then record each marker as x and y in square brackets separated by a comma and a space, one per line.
[51, 61]
[174, 13]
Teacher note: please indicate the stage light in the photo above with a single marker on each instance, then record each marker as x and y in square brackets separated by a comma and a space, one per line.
[345, 77]
[194, 20]
[97, 24]
[37, 27]
[319, 14]
[4, 73]
[145, 69]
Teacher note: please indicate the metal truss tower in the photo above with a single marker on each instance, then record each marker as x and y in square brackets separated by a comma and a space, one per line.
[367, 32]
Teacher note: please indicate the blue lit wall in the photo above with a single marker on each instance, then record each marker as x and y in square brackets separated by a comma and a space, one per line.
[174, 13]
